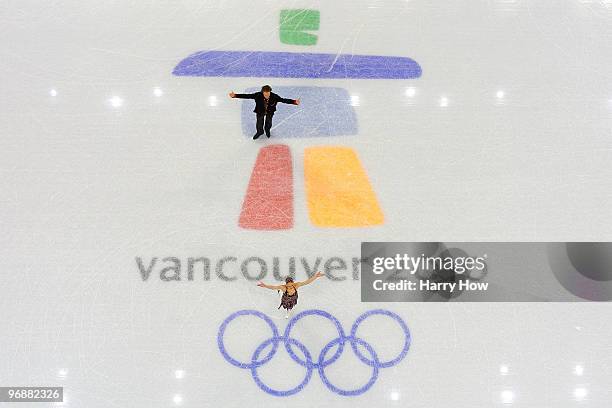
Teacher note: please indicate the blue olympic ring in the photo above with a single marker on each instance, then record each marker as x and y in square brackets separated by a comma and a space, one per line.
[321, 362]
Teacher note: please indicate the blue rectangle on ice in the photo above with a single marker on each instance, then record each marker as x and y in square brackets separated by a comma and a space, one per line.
[296, 65]
[323, 111]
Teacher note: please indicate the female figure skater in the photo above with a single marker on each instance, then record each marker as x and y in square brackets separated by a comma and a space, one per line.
[290, 294]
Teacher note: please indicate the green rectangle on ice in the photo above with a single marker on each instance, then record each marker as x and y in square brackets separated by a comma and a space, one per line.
[295, 22]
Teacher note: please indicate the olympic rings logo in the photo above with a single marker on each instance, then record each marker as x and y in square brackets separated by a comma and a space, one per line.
[322, 361]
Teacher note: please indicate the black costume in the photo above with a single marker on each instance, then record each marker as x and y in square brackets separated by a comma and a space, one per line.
[264, 108]
[288, 301]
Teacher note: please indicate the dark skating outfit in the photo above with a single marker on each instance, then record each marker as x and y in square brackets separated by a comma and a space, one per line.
[264, 108]
[289, 301]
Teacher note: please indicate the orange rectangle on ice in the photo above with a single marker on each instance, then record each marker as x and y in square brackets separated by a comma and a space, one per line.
[338, 191]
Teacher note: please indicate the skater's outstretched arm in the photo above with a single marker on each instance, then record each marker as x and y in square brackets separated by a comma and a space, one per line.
[275, 287]
[290, 101]
[309, 280]
[241, 96]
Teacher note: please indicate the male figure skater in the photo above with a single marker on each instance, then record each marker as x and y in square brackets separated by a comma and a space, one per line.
[265, 106]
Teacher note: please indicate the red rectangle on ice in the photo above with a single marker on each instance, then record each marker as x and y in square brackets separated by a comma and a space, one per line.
[268, 203]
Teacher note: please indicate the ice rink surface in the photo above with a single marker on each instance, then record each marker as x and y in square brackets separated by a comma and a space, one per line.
[115, 172]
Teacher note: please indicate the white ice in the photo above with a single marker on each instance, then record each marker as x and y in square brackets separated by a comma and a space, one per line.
[105, 156]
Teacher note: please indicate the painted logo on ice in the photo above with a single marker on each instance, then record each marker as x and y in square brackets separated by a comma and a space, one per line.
[322, 361]
[338, 192]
